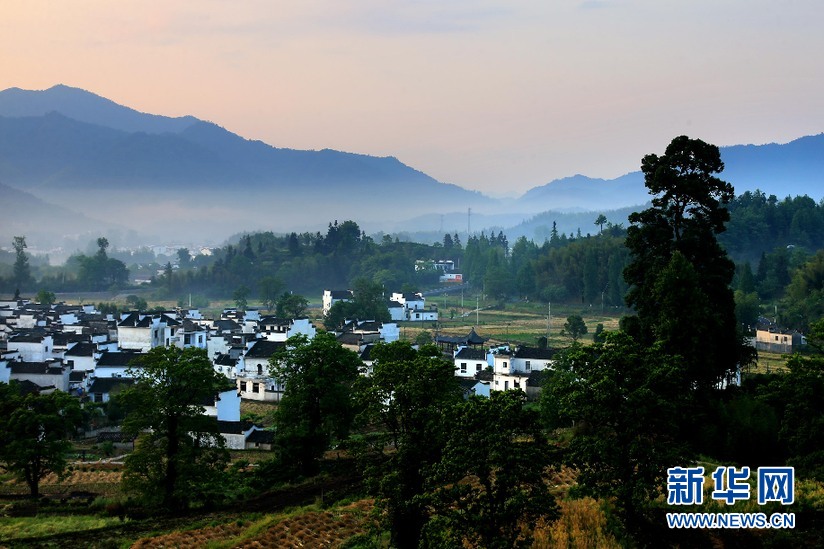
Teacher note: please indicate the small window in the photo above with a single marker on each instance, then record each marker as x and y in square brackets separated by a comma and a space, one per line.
[478, 367]
[776, 338]
[528, 365]
[506, 385]
[463, 367]
[256, 387]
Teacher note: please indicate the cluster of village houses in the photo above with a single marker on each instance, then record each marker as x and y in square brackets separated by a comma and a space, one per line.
[76, 349]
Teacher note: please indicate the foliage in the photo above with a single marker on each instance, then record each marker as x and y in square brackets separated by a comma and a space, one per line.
[490, 480]
[22, 271]
[270, 290]
[574, 328]
[317, 406]
[624, 399]
[34, 431]
[241, 297]
[802, 395]
[368, 303]
[179, 454]
[407, 398]
[100, 272]
[45, 297]
[291, 305]
[676, 258]
[804, 302]
[136, 303]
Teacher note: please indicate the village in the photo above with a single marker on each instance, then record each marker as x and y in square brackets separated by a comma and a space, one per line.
[78, 350]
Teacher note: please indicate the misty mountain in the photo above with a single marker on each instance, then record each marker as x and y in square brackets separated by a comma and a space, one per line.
[87, 107]
[583, 193]
[791, 169]
[184, 179]
[48, 226]
[186, 176]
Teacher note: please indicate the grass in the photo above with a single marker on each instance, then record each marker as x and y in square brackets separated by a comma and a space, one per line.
[516, 322]
[17, 528]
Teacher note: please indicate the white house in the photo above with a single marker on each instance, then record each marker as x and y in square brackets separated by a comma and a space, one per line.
[512, 369]
[80, 356]
[275, 329]
[469, 362]
[330, 297]
[141, 332]
[32, 347]
[51, 373]
[414, 305]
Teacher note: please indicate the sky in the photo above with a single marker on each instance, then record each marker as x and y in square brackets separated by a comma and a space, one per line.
[496, 96]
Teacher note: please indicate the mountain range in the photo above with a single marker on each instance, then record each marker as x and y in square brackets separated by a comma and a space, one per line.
[184, 179]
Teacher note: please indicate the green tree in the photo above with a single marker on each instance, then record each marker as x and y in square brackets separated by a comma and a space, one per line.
[241, 297]
[623, 399]
[22, 270]
[183, 257]
[688, 211]
[600, 221]
[804, 302]
[490, 481]
[270, 290]
[368, 303]
[34, 433]
[574, 328]
[179, 455]
[802, 399]
[45, 297]
[136, 302]
[317, 405]
[408, 398]
[291, 306]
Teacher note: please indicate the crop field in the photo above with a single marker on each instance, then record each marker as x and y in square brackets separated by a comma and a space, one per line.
[100, 479]
[304, 527]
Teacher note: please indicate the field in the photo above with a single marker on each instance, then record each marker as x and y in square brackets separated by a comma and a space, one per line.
[514, 322]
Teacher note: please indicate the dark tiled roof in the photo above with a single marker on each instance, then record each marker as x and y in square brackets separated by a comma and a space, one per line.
[27, 338]
[471, 354]
[350, 339]
[189, 326]
[131, 320]
[82, 349]
[261, 436]
[370, 326]
[50, 368]
[118, 358]
[233, 427]
[366, 354]
[78, 375]
[263, 348]
[107, 384]
[224, 360]
[64, 338]
[534, 352]
[225, 325]
[341, 294]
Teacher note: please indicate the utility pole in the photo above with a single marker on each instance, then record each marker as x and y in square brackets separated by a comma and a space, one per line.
[468, 217]
[477, 308]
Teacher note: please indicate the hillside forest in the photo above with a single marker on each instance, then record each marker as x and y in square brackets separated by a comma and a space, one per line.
[773, 242]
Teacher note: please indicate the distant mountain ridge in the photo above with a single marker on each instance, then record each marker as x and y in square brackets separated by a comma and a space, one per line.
[165, 175]
[88, 107]
[790, 169]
